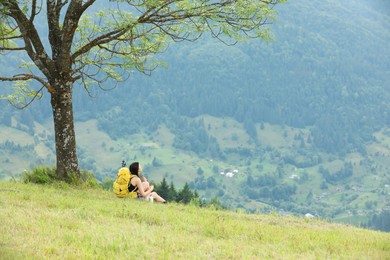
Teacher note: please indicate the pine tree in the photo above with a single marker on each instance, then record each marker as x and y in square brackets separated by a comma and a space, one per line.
[185, 195]
[172, 193]
[163, 189]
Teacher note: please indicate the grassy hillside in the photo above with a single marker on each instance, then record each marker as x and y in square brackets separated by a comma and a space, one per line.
[61, 222]
[352, 200]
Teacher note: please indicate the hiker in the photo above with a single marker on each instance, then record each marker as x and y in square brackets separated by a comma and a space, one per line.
[143, 188]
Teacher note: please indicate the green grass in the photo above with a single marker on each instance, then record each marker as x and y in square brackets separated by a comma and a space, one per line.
[60, 222]
[223, 129]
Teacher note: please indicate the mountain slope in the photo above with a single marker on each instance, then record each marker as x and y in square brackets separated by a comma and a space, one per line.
[63, 222]
[303, 118]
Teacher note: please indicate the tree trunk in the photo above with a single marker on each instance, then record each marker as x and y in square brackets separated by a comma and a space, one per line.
[65, 138]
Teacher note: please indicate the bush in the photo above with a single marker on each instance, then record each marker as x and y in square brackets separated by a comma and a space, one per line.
[47, 175]
[40, 175]
[107, 183]
[88, 179]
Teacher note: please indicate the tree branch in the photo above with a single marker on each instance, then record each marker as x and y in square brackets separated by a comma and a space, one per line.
[25, 77]
[72, 17]
[53, 13]
[105, 38]
[33, 44]
[36, 94]
[12, 49]
[33, 10]
[5, 38]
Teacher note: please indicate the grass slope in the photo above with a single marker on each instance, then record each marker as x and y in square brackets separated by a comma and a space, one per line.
[353, 200]
[60, 222]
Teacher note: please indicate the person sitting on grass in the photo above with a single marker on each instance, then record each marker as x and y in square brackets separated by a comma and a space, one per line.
[143, 188]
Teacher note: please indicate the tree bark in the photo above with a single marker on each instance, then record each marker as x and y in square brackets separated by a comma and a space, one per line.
[65, 138]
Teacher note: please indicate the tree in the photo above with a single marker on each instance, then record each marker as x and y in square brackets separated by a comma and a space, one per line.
[216, 203]
[172, 193]
[163, 189]
[86, 48]
[185, 195]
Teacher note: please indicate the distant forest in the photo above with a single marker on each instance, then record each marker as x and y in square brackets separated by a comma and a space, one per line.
[327, 70]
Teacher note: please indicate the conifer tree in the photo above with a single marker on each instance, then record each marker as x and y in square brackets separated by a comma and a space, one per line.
[172, 194]
[163, 189]
[185, 195]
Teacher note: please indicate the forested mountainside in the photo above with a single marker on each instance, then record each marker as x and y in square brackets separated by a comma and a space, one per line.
[311, 102]
[327, 69]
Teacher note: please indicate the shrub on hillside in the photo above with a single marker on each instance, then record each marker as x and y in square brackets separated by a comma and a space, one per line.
[87, 179]
[47, 175]
[106, 184]
[40, 175]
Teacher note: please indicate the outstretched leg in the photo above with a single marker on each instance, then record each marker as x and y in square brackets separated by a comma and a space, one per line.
[157, 197]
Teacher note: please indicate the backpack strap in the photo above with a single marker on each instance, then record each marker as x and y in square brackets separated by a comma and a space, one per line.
[135, 188]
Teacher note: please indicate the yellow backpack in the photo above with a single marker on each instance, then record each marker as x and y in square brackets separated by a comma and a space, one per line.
[122, 182]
